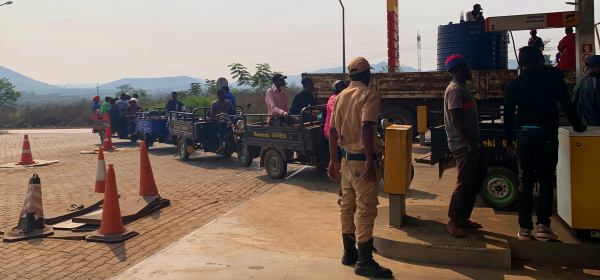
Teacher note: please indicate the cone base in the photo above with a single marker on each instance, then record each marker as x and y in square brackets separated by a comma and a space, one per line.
[26, 163]
[12, 235]
[116, 238]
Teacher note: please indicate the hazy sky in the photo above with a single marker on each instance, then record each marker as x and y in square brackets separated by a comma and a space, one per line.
[88, 41]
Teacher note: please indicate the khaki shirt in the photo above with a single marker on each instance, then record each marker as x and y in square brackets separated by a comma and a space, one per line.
[354, 106]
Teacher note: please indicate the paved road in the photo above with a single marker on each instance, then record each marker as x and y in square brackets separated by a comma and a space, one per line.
[200, 191]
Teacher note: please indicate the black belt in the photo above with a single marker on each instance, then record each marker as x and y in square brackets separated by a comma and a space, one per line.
[355, 157]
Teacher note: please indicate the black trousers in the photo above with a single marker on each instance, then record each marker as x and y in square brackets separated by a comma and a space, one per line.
[537, 153]
[471, 173]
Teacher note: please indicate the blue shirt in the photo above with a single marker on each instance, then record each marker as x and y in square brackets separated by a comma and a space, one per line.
[231, 98]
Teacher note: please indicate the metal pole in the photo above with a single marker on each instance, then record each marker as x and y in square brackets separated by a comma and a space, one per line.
[343, 37]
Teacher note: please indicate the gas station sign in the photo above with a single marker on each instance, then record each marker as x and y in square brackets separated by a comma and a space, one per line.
[532, 21]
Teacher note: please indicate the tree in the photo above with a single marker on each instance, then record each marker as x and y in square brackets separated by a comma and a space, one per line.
[123, 89]
[211, 86]
[259, 81]
[195, 89]
[241, 74]
[8, 94]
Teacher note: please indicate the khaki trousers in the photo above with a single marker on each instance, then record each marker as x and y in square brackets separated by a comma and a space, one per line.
[358, 201]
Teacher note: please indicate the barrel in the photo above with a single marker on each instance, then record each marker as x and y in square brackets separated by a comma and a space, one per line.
[482, 50]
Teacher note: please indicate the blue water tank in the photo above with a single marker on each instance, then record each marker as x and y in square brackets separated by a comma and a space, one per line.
[483, 51]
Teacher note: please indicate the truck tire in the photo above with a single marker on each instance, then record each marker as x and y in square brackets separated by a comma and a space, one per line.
[244, 156]
[275, 164]
[401, 115]
[182, 149]
[500, 188]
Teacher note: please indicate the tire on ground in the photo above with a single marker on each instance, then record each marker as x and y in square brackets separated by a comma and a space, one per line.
[275, 164]
[401, 115]
[500, 188]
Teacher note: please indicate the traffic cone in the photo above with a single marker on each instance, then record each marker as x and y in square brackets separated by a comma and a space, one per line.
[108, 145]
[31, 220]
[100, 172]
[26, 156]
[111, 227]
[147, 183]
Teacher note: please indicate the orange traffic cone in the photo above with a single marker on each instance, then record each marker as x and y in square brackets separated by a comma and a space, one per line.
[147, 184]
[100, 172]
[31, 220]
[108, 145]
[111, 227]
[26, 156]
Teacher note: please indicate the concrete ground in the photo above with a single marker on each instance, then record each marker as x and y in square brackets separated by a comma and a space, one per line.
[293, 232]
[200, 190]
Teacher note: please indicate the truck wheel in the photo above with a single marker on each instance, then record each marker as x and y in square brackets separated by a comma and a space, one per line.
[182, 147]
[276, 166]
[500, 188]
[400, 115]
[244, 155]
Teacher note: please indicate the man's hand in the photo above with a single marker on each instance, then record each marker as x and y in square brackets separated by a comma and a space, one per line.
[333, 171]
[370, 175]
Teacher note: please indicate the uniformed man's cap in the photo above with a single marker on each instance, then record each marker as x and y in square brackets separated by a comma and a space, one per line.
[358, 65]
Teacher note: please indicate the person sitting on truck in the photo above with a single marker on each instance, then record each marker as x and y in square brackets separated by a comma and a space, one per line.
[587, 93]
[221, 105]
[136, 99]
[305, 98]
[535, 93]
[566, 47]
[476, 14]
[276, 97]
[462, 127]
[173, 105]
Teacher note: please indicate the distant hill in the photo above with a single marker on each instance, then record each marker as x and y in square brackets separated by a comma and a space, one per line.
[24, 83]
[155, 84]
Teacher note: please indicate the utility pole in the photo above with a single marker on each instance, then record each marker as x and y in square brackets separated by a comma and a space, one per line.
[419, 50]
[343, 37]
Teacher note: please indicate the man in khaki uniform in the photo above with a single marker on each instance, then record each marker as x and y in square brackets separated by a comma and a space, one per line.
[352, 127]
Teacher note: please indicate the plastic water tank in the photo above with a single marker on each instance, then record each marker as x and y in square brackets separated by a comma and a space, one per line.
[483, 51]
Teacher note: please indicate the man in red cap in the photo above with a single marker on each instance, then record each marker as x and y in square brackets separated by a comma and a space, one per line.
[352, 127]
[462, 128]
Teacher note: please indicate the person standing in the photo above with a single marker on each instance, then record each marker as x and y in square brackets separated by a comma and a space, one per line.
[276, 97]
[476, 14]
[566, 47]
[535, 41]
[305, 98]
[352, 127]
[587, 93]
[535, 93]
[462, 128]
[105, 108]
[173, 105]
[337, 87]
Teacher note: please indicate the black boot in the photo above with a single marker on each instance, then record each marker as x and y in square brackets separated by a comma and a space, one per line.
[367, 266]
[350, 253]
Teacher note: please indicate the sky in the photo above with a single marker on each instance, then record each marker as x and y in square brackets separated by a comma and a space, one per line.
[89, 41]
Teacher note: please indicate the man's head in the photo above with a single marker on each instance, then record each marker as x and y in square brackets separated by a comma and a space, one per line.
[123, 96]
[225, 89]
[593, 63]
[136, 96]
[569, 30]
[477, 9]
[457, 65]
[339, 86]
[127, 97]
[360, 70]
[107, 99]
[533, 32]
[278, 80]
[530, 57]
[308, 84]
[221, 94]
[174, 96]
[96, 99]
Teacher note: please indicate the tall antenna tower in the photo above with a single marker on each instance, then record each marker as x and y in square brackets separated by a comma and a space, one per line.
[419, 50]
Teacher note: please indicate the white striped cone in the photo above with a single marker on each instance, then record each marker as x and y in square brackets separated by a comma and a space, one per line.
[33, 199]
[100, 172]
